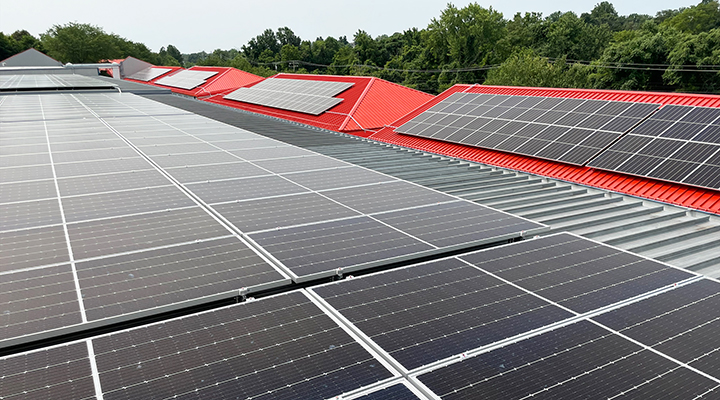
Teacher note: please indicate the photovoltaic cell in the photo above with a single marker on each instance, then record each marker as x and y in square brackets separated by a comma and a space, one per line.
[116, 235]
[37, 300]
[278, 212]
[337, 178]
[244, 189]
[282, 347]
[145, 280]
[30, 214]
[454, 223]
[210, 172]
[114, 204]
[386, 197]
[305, 96]
[682, 323]
[677, 144]
[61, 372]
[435, 310]
[581, 360]
[32, 248]
[51, 82]
[528, 125]
[349, 243]
[186, 79]
[149, 74]
[576, 273]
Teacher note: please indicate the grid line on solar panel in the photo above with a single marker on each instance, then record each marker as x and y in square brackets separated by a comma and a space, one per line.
[591, 125]
[678, 144]
[581, 360]
[428, 312]
[584, 277]
[281, 347]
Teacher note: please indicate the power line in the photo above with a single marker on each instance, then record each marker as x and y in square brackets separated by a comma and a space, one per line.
[590, 64]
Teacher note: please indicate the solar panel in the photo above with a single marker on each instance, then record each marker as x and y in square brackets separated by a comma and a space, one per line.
[581, 360]
[51, 82]
[677, 144]
[681, 323]
[61, 372]
[304, 86]
[576, 273]
[106, 238]
[149, 74]
[300, 102]
[568, 130]
[439, 311]
[305, 96]
[423, 314]
[186, 79]
[281, 347]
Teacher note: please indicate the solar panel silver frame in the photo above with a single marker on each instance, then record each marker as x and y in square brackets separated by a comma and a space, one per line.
[149, 74]
[186, 79]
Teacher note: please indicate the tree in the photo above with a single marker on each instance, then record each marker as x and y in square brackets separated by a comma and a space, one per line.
[695, 50]
[604, 13]
[528, 69]
[651, 45]
[574, 39]
[696, 19]
[79, 43]
[173, 52]
[467, 36]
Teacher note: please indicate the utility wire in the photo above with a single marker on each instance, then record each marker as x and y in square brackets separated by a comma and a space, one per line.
[609, 65]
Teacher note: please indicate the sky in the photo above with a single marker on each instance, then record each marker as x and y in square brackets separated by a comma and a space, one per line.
[194, 26]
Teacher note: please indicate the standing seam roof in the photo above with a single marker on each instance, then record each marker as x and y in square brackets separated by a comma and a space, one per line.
[707, 200]
[367, 106]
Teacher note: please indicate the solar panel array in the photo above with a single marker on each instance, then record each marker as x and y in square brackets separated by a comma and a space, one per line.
[114, 207]
[132, 212]
[186, 79]
[149, 74]
[567, 130]
[678, 144]
[50, 82]
[305, 96]
[558, 316]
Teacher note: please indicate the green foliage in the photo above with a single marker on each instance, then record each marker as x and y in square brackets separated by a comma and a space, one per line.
[695, 50]
[697, 19]
[79, 43]
[528, 69]
[471, 44]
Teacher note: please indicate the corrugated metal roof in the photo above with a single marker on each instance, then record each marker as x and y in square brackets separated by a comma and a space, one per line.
[226, 80]
[673, 193]
[368, 105]
[675, 235]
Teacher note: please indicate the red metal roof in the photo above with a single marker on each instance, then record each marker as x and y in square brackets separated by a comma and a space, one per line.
[673, 193]
[368, 105]
[226, 80]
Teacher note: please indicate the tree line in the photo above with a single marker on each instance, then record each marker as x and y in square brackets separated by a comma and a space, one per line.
[675, 50]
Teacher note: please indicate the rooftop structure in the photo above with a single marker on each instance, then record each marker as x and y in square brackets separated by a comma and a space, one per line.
[156, 245]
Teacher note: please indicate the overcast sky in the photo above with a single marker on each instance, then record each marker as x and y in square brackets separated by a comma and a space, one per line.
[197, 25]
